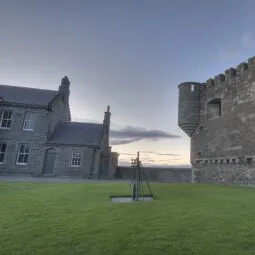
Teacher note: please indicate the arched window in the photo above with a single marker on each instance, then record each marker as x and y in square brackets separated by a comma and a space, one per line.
[214, 108]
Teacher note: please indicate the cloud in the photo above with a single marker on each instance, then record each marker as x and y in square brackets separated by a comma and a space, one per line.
[168, 154]
[244, 43]
[247, 39]
[229, 53]
[128, 154]
[133, 134]
[78, 119]
[123, 141]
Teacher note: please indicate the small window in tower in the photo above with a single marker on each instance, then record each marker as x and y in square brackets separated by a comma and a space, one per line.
[214, 108]
[249, 160]
[192, 87]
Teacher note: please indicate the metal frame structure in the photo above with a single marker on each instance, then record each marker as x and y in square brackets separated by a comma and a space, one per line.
[138, 177]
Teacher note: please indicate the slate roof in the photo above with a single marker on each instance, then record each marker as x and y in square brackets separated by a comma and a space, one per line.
[76, 133]
[27, 96]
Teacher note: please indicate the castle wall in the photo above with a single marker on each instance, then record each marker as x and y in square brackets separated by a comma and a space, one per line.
[223, 146]
[171, 175]
[233, 173]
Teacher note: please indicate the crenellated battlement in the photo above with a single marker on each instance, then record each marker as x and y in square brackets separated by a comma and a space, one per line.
[210, 82]
[219, 118]
[238, 73]
[230, 72]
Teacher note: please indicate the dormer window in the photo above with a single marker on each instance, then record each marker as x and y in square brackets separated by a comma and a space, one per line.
[6, 119]
[29, 121]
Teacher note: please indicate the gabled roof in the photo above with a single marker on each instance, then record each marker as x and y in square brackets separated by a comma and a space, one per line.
[26, 96]
[77, 133]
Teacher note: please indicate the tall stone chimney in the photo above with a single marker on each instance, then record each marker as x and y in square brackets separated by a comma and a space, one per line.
[64, 88]
[107, 122]
[64, 91]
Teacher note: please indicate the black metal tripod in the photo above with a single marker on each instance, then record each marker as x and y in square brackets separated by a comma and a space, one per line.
[139, 176]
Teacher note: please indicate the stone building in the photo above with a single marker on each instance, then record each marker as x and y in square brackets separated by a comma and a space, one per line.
[37, 135]
[219, 117]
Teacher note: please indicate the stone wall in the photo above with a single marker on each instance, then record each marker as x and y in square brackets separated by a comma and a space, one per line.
[45, 122]
[226, 130]
[60, 112]
[16, 135]
[232, 134]
[62, 164]
[173, 175]
[234, 173]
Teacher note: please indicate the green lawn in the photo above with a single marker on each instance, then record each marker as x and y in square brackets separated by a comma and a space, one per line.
[71, 218]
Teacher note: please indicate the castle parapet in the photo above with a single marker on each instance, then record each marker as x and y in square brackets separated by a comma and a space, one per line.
[230, 72]
[241, 68]
[219, 79]
[251, 62]
[210, 82]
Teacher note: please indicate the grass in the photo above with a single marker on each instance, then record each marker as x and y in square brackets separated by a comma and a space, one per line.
[68, 218]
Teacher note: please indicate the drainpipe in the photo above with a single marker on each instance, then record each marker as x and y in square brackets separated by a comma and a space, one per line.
[92, 164]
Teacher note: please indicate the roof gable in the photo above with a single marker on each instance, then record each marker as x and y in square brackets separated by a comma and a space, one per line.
[77, 133]
[26, 96]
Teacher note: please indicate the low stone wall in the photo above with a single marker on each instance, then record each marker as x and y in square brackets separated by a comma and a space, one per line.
[241, 174]
[173, 175]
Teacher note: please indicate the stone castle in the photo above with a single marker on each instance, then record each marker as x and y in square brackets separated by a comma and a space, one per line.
[219, 117]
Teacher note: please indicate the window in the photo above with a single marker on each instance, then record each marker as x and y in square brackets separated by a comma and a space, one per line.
[2, 152]
[211, 161]
[214, 108]
[249, 160]
[23, 154]
[216, 161]
[192, 87]
[227, 161]
[76, 158]
[29, 121]
[221, 161]
[6, 119]
[206, 161]
[233, 160]
[198, 162]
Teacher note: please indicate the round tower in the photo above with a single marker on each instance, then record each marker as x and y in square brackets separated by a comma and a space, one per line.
[189, 106]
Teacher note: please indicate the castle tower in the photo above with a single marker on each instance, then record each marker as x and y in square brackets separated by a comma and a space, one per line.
[189, 107]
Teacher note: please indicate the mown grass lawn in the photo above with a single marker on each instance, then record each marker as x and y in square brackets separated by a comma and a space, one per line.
[69, 218]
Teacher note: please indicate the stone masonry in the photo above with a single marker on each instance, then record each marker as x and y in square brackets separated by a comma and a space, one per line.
[219, 117]
[53, 141]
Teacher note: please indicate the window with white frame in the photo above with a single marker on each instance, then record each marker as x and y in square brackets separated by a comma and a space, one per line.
[2, 151]
[23, 153]
[76, 158]
[29, 121]
[6, 119]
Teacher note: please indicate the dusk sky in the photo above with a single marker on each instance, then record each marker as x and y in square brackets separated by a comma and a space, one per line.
[129, 54]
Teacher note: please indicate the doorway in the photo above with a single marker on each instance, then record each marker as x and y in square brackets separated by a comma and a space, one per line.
[49, 161]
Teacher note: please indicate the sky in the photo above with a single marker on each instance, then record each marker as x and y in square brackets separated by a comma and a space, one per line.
[129, 54]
